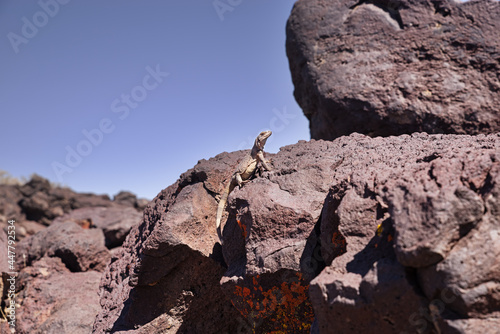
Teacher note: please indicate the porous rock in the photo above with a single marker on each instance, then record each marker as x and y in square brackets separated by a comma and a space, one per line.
[79, 249]
[54, 300]
[129, 199]
[166, 277]
[9, 197]
[377, 227]
[115, 221]
[396, 226]
[41, 202]
[393, 67]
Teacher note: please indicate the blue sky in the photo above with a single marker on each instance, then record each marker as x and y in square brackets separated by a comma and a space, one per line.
[103, 96]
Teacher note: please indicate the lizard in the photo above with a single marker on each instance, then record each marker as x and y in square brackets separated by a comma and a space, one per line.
[245, 170]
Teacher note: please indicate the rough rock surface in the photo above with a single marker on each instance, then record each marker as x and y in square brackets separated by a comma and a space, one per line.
[129, 199]
[390, 67]
[79, 249]
[54, 300]
[178, 240]
[166, 278]
[37, 203]
[411, 216]
[41, 202]
[393, 232]
[9, 197]
[115, 221]
[59, 266]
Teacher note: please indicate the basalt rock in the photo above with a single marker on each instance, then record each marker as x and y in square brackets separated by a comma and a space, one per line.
[378, 235]
[166, 277]
[54, 300]
[79, 248]
[38, 203]
[390, 67]
[115, 221]
[59, 266]
[415, 219]
[129, 199]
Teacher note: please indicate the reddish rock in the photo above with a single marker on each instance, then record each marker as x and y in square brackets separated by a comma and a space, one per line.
[79, 249]
[129, 199]
[4, 286]
[359, 216]
[401, 213]
[38, 202]
[26, 228]
[166, 279]
[115, 221]
[393, 67]
[9, 209]
[54, 300]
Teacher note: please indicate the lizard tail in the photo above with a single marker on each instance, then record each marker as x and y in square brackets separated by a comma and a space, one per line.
[221, 207]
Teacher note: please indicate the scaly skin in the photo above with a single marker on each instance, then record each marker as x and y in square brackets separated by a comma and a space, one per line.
[246, 169]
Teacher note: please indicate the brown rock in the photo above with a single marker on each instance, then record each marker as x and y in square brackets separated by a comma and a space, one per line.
[9, 197]
[471, 270]
[34, 185]
[175, 249]
[29, 227]
[79, 249]
[125, 198]
[115, 221]
[39, 201]
[378, 224]
[36, 206]
[393, 67]
[54, 300]
[402, 214]
[129, 199]
[167, 272]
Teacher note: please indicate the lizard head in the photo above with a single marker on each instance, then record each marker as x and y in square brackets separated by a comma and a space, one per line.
[261, 139]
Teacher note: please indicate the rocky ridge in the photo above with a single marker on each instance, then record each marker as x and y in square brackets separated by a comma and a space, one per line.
[64, 240]
[364, 226]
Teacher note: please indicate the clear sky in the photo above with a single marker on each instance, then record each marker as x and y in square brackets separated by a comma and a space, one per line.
[103, 96]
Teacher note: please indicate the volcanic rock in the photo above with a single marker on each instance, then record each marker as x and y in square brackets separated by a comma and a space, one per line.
[129, 199]
[54, 300]
[79, 249]
[37, 202]
[115, 221]
[9, 209]
[166, 278]
[57, 286]
[378, 227]
[396, 67]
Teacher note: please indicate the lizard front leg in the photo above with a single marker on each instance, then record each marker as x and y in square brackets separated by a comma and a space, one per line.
[239, 180]
[263, 161]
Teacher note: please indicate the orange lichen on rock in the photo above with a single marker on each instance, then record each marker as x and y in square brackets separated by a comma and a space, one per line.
[338, 240]
[243, 228]
[281, 309]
